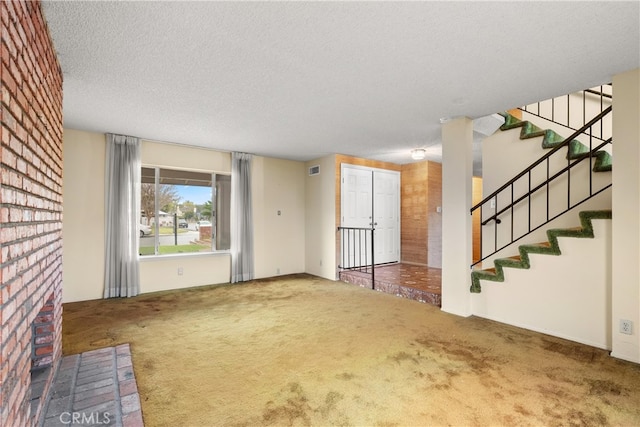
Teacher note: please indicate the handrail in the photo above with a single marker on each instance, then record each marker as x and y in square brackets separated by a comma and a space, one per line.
[564, 143]
[590, 153]
[566, 121]
[356, 250]
[539, 186]
[599, 93]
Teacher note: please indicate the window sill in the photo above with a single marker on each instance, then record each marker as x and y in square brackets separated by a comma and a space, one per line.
[145, 258]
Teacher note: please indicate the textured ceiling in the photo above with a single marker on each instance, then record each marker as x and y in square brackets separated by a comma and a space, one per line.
[300, 80]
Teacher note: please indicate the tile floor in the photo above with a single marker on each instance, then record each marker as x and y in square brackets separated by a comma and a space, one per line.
[411, 281]
[95, 388]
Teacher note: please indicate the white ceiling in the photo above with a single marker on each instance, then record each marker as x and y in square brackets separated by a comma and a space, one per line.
[300, 80]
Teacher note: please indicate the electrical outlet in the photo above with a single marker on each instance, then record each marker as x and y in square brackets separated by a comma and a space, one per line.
[277, 271]
[626, 326]
[180, 271]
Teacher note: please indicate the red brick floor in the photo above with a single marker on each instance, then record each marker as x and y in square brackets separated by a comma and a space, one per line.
[411, 281]
[95, 388]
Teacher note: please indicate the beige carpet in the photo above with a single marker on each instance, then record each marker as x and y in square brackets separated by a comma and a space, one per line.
[306, 351]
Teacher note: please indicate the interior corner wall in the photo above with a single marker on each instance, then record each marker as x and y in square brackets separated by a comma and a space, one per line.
[626, 209]
[320, 226]
[31, 203]
[278, 188]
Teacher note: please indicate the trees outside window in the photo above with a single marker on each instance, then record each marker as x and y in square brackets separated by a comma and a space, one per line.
[175, 202]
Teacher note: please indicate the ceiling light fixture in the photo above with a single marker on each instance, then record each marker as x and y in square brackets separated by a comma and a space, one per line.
[418, 154]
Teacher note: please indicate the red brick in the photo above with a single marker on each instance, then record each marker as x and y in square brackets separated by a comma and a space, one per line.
[42, 351]
[31, 267]
[4, 17]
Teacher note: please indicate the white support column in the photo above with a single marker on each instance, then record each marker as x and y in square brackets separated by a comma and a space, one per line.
[625, 264]
[457, 163]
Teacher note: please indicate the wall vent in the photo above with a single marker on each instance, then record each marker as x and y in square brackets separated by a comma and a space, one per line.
[314, 170]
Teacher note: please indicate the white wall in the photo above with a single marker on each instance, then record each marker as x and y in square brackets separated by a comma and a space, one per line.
[320, 214]
[279, 239]
[567, 296]
[277, 185]
[457, 239]
[161, 273]
[83, 222]
[626, 214]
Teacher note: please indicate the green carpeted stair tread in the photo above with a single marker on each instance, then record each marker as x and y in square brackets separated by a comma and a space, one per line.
[551, 139]
[604, 162]
[510, 121]
[576, 150]
[551, 247]
[529, 130]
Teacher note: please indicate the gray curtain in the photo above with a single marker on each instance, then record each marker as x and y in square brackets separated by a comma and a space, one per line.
[241, 218]
[122, 202]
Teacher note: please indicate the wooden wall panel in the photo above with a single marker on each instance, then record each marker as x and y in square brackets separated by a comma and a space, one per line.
[413, 213]
[476, 198]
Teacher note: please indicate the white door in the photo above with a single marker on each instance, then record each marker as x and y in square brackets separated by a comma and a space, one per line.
[387, 216]
[370, 198]
[356, 210]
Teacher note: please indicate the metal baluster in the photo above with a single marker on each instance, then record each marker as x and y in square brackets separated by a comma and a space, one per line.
[373, 272]
[547, 189]
[512, 219]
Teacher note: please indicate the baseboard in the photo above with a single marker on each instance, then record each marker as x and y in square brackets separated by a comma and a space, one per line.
[624, 357]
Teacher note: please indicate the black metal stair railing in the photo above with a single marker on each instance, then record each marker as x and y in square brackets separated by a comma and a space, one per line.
[357, 251]
[510, 202]
[564, 113]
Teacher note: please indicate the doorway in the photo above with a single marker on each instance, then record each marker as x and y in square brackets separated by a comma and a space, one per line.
[370, 198]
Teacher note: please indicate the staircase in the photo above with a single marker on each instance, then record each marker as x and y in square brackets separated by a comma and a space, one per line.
[550, 247]
[551, 139]
[534, 197]
[533, 286]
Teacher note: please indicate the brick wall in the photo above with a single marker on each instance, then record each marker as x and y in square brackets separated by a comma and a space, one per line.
[31, 200]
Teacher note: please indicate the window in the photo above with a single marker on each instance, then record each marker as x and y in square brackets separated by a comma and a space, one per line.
[184, 211]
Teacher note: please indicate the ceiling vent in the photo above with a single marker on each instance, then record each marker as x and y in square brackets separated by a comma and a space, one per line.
[314, 170]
